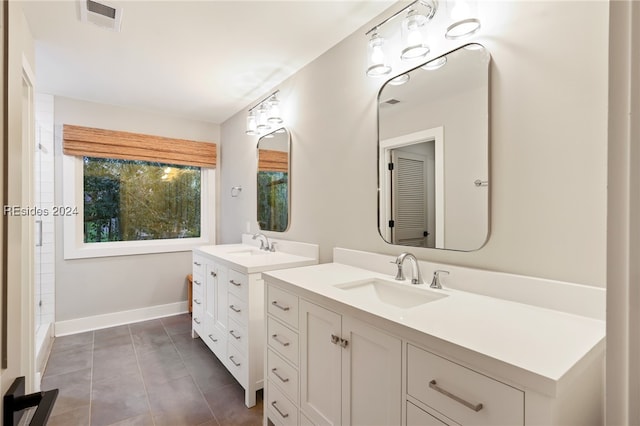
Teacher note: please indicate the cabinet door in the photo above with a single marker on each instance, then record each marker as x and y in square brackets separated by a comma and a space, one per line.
[371, 375]
[320, 364]
[216, 294]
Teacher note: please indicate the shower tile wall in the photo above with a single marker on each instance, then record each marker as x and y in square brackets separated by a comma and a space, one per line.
[44, 197]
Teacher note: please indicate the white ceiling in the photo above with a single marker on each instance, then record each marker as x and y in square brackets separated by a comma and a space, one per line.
[204, 60]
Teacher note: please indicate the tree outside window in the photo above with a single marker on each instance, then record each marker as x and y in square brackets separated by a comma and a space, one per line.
[129, 200]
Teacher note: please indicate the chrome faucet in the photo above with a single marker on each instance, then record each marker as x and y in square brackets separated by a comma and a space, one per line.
[264, 244]
[435, 282]
[416, 276]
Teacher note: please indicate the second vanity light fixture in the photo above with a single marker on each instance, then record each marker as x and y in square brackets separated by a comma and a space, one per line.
[413, 30]
[264, 116]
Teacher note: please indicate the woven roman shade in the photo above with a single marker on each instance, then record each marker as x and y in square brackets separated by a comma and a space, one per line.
[101, 143]
[273, 161]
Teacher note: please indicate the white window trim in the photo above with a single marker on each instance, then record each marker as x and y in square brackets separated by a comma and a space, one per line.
[73, 227]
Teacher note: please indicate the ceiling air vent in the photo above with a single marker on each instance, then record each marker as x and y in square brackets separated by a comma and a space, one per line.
[101, 14]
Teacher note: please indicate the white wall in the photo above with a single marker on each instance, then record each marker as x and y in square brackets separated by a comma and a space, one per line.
[548, 146]
[88, 287]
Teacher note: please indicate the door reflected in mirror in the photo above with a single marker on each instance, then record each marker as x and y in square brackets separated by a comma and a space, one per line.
[433, 151]
[273, 180]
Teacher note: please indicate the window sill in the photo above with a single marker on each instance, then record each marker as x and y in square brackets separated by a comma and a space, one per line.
[129, 248]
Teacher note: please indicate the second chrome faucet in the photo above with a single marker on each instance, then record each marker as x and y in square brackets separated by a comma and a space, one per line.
[416, 275]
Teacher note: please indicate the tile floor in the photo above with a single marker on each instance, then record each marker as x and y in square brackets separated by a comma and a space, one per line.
[147, 373]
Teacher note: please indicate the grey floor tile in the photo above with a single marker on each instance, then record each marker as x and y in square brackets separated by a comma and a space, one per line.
[152, 339]
[161, 366]
[118, 398]
[178, 402]
[107, 364]
[188, 346]
[108, 412]
[112, 339]
[177, 324]
[73, 342]
[227, 404]
[142, 420]
[137, 327]
[66, 361]
[74, 390]
[77, 417]
[147, 373]
[208, 372]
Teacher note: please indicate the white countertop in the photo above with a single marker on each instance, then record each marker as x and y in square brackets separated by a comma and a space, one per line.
[250, 259]
[544, 345]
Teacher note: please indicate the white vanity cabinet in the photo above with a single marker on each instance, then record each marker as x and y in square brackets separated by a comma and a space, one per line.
[231, 323]
[336, 358]
[348, 372]
[228, 303]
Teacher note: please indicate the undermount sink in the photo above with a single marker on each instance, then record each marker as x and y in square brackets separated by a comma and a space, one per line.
[391, 293]
[249, 252]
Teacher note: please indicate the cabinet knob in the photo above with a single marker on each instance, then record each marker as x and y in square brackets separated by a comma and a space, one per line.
[214, 274]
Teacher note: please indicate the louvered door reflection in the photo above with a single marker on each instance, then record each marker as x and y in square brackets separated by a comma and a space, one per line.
[409, 199]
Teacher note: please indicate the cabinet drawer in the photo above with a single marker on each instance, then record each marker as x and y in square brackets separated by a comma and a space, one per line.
[461, 394]
[283, 375]
[197, 301]
[197, 319]
[198, 265]
[237, 309]
[283, 340]
[237, 365]
[238, 284]
[197, 286]
[237, 336]
[281, 410]
[215, 340]
[418, 417]
[283, 306]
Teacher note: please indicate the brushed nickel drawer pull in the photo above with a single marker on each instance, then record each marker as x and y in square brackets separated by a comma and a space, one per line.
[475, 407]
[197, 263]
[197, 282]
[284, 415]
[234, 309]
[232, 332]
[237, 364]
[196, 320]
[214, 340]
[277, 305]
[282, 342]
[196, 301]
[275, 372]
[235, 283]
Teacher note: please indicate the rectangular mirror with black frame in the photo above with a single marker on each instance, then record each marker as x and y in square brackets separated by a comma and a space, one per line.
[433, 153]
[273, 179]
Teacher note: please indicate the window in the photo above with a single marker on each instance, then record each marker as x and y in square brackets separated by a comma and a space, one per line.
[130, 200]
[156, 198]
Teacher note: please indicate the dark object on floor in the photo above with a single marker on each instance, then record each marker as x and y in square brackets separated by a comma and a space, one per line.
[15, 402]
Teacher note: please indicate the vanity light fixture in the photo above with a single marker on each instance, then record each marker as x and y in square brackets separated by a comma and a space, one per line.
[414, 45]
[263, 115]
[378, 63]
[465, 24]
[252, 124]
[413, 28]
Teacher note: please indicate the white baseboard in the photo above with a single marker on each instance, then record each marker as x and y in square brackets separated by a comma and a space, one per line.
[97, 322]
